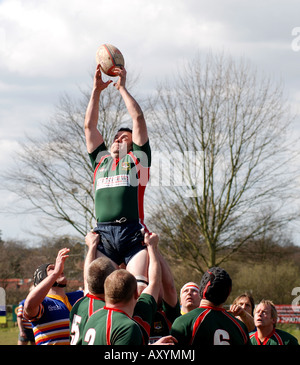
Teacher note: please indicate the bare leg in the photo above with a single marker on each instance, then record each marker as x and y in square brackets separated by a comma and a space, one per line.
[138, 266]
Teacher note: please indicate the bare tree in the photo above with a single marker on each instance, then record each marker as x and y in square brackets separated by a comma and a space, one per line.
[222, 135]
[55, 175]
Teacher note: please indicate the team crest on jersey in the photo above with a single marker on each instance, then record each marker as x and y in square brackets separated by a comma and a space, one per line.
[125, 166]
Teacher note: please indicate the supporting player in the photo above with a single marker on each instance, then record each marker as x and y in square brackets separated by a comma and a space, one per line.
[95, 272]
[126, 317]
[211, 324]
[120, 178]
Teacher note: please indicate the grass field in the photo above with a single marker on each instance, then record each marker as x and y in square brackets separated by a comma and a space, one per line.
[9, 335]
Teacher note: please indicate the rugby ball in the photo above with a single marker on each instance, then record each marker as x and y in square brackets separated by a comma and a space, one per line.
[109, 57]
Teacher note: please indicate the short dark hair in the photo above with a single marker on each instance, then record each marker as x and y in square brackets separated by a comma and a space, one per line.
[124, 129]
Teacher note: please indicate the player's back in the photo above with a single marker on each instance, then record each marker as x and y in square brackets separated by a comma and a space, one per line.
[207, 326]
[111, 326]
[80, 313]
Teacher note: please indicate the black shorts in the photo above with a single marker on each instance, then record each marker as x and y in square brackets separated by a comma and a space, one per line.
[120, 241]
[29, 336]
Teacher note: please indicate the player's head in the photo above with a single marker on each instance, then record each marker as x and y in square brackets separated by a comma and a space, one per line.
[245, 301]
[43, 271]
[265, 314]
[40, 274]
[125, 129]
[215, 286]
[98, 271]
[120, 286]
[189, 297]
[122, 142]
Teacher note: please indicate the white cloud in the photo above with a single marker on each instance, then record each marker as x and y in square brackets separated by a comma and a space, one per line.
[37, 39]
[7, 148]
[52, 38]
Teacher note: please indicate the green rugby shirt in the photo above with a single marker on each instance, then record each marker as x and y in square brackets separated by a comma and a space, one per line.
[119, 184]
[80, 313]
[111, 326]
[205, 326]
[276, 337]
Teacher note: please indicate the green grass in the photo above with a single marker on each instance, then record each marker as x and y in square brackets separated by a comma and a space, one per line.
[9, 336]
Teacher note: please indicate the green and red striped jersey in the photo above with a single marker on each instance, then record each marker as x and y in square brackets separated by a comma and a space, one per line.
[276, 337]
[205, 326]
[119, 184]
[79, 315]
[111, 326]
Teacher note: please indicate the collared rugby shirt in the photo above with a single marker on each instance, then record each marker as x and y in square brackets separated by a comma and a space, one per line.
[276, 337]
[111, 326]
[119, 184]
[80, 313]
[51, 325]
[209, 326]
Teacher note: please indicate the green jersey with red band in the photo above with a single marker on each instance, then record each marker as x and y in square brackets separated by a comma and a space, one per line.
[111, 326]
[206, 326]
[276, 337]
[119, 184]
[80, 313]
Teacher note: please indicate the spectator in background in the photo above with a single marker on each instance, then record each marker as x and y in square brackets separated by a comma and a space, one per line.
[265, 319]
[243, 308]
[189, 297]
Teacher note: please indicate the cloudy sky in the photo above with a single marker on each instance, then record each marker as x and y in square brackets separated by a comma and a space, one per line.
[47, 48]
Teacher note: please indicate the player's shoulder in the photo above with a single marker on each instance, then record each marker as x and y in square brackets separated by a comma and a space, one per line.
[81, 301]
[74, 296]
[286, 337]
[189, 317]
[96, 317]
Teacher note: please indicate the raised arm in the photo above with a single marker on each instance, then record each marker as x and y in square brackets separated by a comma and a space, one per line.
[154, 270]
[244, 316]
[91, 239]
[92, 135]
[139, 128]
[37, 295]
[168, 284]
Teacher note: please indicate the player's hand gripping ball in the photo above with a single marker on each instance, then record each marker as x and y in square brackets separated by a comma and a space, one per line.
[109, 57]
